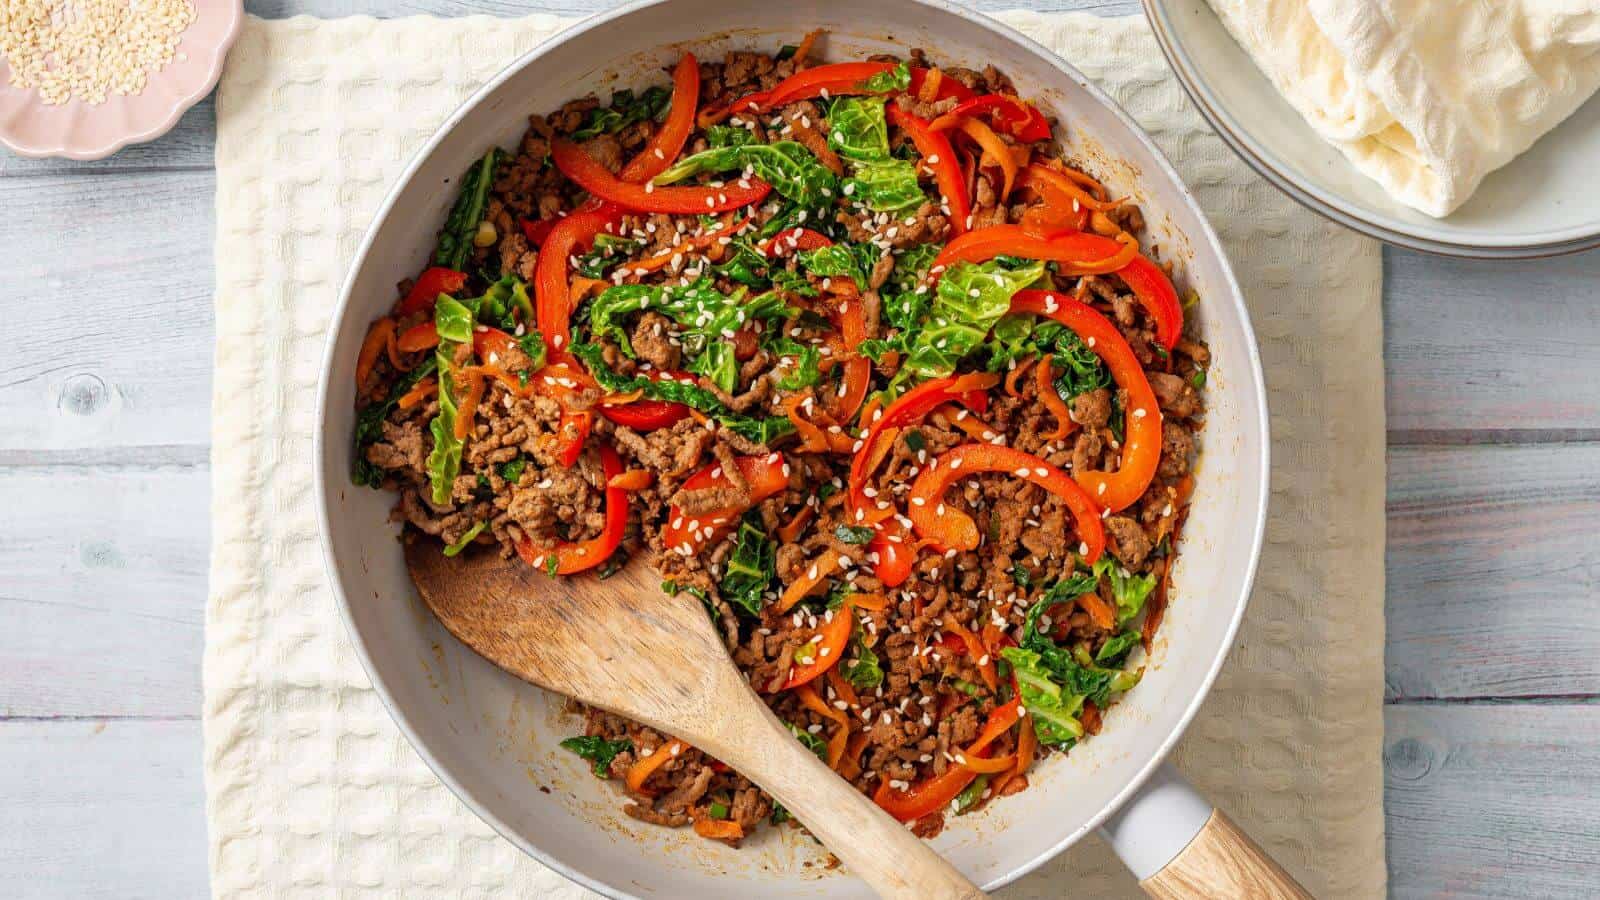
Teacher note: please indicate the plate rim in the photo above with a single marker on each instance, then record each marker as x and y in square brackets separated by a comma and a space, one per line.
[1160, 16]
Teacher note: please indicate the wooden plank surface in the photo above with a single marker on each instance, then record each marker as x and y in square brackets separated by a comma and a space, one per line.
[98, 809]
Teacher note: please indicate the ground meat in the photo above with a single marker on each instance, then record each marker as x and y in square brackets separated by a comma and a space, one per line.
[1176, 396]
[1177, 445]
[652, 340]
[606, 150]
[1086, 451]
[1129, 543]
[1092, 409]
[673, 451]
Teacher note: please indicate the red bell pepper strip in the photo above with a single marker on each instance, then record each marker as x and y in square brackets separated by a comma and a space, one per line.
[839, 79]
[648, 415]
[952, 529]
[553, 306]
[430, 284]
[1022, 120]
[1074, 253]
[908, 408]
[765, 475]
[828, 647]
[933, 794]
[422, 336]
[1157, 296]
[938, 155]
[587, 172]
[572, 431]
[537, 231]
[577, 556]
[668, 141]
[894, 554]
[1141, 449]
[794, 239]
[843, 405]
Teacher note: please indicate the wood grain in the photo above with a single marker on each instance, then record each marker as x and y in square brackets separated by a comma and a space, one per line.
[1222, 861]
[102, 810]
[102, 592]
[108, 328]
[1494, 571]
[622, 645]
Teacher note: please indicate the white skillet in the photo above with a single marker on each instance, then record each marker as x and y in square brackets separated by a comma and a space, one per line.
[493, 739]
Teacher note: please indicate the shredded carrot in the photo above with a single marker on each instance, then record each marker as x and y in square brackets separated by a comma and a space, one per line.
[698, 416]
[789, 533]
[377, 339]
[986, 765]
[393, 352]
[1053, 402]
[1185, 489]
[881, 449]
[469, 402]
[804, 50]
[810, 579]
[974, 381]
[1050, 177]
[874, 403]
[836, 744]
[978, 653]
[712, 115]
[1026, 743]
[993, 147]
[812, 438]
[1016, 373]
[1128, 253]
[930, 85]
[1081, 178]
[622, 399]
[1099, 611]
[719, 829]
[870, 602]
[423, 389]
[975, 427]
[631, 480]
[850, 766]
[1101, 224]
[841, 688]
[645, 766]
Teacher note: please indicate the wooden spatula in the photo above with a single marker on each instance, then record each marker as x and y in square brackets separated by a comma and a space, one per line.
[623, 645]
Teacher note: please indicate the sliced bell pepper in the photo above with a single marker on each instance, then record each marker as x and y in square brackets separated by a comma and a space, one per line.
[572, 432]
[765, 475]
[827, 647]
[938, 155]
[1157, 296]
[933, 794]
[537, 231]
[841, 732]
[668, 141]
[976, 650]
[993, 147]
[839, 79]
[894, 554]
[1020, 119]
[587, 172]
[719, 829]
[908, 408]
[429, 285]
[791, 240]
[1141, 449]
[1051, 398]
[648, 415]
[951, 529]
[553, 307]
[578, 556]
[1074, 253]
[422, 336]
[1058, 187]
[946, 88]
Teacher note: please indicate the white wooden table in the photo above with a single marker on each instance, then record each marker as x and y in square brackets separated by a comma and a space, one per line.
[1493, 667]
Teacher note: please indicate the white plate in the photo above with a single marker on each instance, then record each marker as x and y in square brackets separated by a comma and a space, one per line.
[1543, 203]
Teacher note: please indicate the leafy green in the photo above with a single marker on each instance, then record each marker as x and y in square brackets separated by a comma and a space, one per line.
[895, 80]
[598, 751]
[791, 282]
[512, 471]
[608, 250]
[1198, 379]
[729, 136]
[369, 423]
[532, 344]
[816, 216]
[1129, 591]
[804, 369]
[813, 743]
[842, 260]
[744, 264]
[888, 185]
[460, 545]
[854, 534]
[454, 321]
[1054, 711]
[1114, 650]
[858, 129]
[751, 568]
[716, 809]
[861, 667]
[971, 794]
[970, 299]
[911, 267]
[761, 430]
[1021, 575]
[455, 239]
[786, 165]
[625, 109]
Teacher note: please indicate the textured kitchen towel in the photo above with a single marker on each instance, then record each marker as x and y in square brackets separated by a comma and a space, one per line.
[306, 776]
[1426, 97]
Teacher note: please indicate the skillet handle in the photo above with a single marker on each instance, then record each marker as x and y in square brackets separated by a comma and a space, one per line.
[1180, 847]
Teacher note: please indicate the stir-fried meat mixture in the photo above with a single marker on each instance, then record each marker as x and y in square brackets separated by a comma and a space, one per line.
[854, 355]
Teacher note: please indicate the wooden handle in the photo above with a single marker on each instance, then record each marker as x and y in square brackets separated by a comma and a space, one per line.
[1223, 862]
[882, 852]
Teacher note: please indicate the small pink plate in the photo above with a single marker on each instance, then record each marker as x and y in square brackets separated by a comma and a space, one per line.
[77, 130]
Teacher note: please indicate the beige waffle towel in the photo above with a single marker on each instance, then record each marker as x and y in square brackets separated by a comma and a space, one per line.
[306, 775]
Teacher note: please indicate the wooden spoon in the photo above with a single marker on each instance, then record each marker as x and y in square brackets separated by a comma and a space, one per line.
[623, 645]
